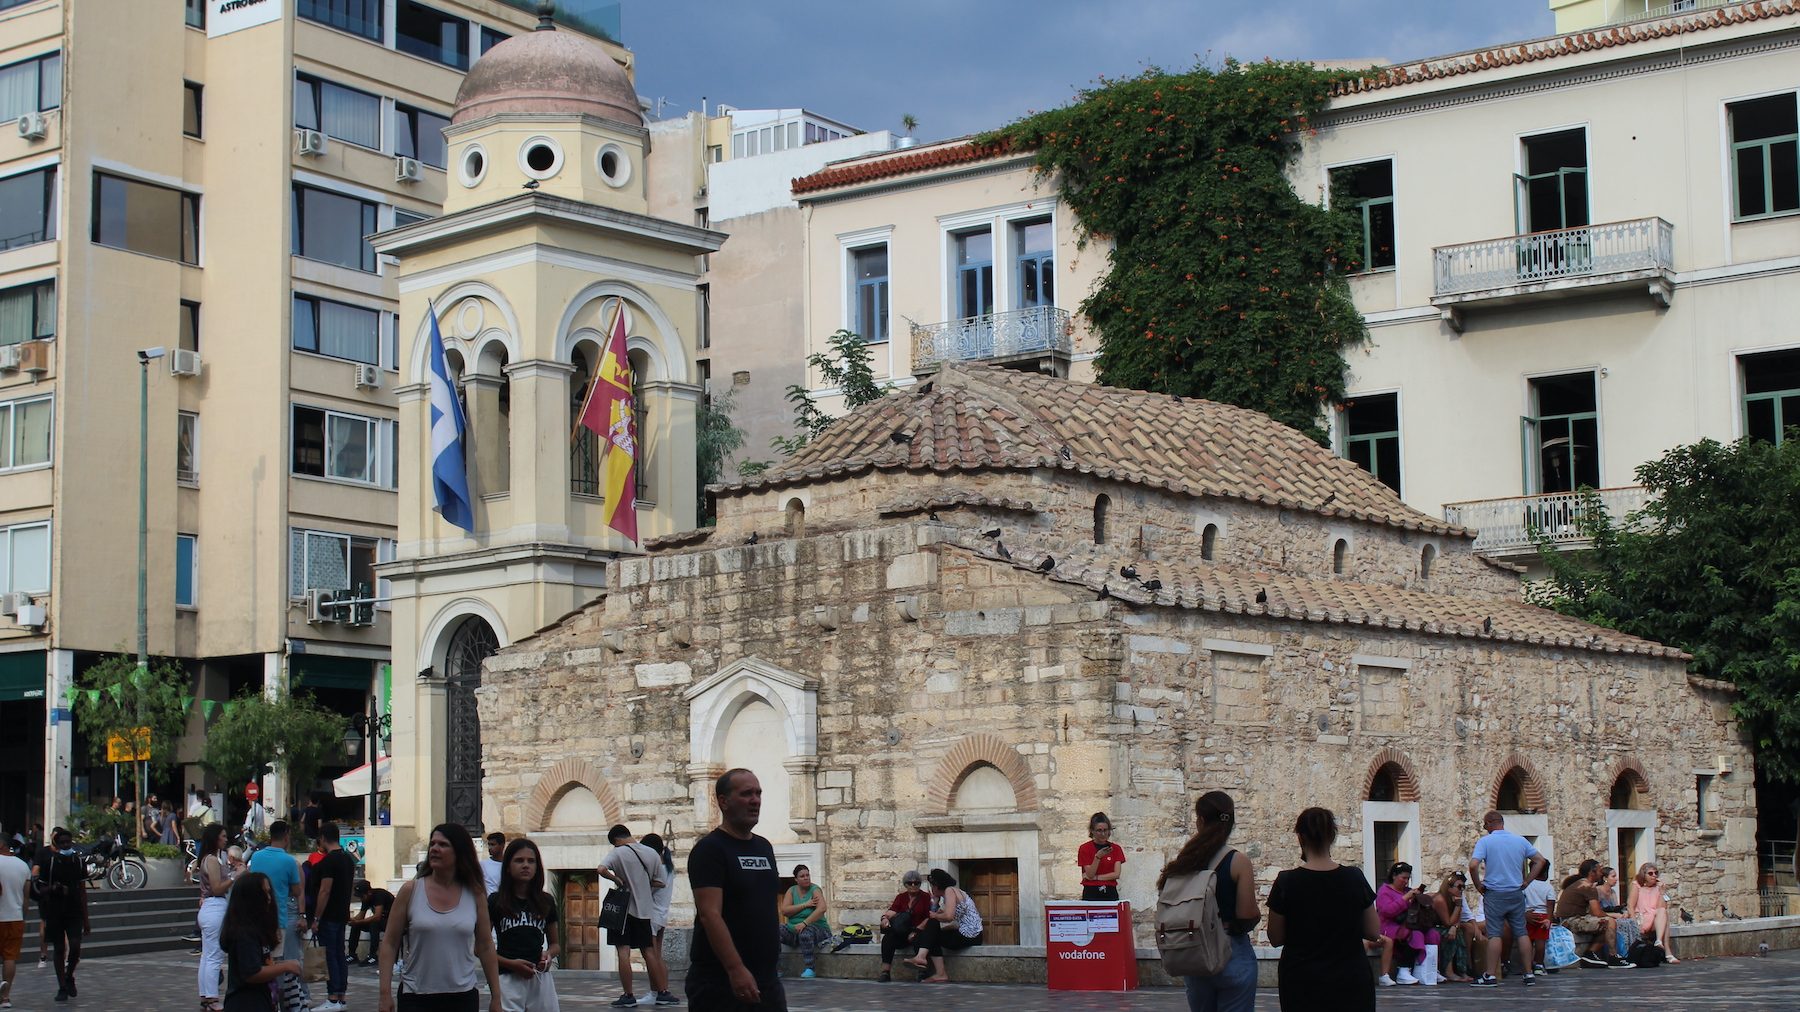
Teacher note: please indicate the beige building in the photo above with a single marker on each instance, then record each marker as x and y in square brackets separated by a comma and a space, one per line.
[202, 180]
[973, 613]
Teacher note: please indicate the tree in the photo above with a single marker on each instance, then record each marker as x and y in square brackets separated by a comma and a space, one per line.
[716, 438]
[146, 708]
[909, 123]
[291, 730]
[1711, 565]
[844, 365]
[1222, 282]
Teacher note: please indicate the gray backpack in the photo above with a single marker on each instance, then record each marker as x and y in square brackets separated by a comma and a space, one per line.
[1189, 934]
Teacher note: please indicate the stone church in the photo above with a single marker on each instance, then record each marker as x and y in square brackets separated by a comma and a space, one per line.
[981, 609]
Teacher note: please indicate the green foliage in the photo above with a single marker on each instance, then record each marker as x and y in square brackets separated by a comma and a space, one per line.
[1223, 282]
[90, 823]
[844, 365]
[716, 438]
[292, 730]
[162, 851]
[113, 698]
[1712, 566]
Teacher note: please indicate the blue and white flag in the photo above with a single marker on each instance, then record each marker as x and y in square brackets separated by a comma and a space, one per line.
[449, 474]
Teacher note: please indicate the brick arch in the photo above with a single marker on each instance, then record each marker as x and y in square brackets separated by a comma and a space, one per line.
[557, 781]
[1632, 770]
[1531, 785]
[1406, 782]
[972, 751]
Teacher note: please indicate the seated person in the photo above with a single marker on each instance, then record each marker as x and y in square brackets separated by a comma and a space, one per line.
[902, 921]
[372, 919]
[1578, 909]
[1610, 900]
[803, 906]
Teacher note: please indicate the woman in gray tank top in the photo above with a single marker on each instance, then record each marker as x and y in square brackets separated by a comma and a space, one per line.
[442, 917]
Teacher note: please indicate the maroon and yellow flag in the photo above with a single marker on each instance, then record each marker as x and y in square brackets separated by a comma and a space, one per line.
[610, 412]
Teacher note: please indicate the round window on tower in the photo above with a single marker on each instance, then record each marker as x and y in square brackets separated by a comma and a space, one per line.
[540, 157]
[614, 165]
[472, 168]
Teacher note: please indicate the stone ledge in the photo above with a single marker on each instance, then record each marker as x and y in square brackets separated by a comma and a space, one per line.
[1735, 938]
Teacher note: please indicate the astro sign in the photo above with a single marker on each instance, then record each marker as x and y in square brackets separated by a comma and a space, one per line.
[226, 16]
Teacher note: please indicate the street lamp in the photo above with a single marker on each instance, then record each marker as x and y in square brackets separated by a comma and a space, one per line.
[360, 737]
[145, 357]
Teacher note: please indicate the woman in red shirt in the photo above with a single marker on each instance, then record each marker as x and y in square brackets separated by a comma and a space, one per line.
[1100, 859]
[901, 921]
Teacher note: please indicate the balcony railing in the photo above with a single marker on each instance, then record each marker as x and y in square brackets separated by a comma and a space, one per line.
[1622, 250]
[1021, 333]
[1512, 526]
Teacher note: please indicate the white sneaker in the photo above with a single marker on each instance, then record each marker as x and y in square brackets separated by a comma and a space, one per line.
[330, 1006]
[1405, 977]
[1384, 980]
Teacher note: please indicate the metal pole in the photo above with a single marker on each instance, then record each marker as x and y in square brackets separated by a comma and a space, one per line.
[369, 733]
[143, 620]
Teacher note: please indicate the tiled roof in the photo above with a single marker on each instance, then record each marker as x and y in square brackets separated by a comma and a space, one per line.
[950, 498]
[1206, 586]
[906, 162]
[976, 417]
[693, 536]
[1565, 45]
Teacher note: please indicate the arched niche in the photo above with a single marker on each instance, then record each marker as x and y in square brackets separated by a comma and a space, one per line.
[651, 330]
[754, 708]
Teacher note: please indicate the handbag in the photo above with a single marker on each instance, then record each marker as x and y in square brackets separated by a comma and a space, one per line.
[616, 906]
[901, 922]
[1560, 952]
[312, 962]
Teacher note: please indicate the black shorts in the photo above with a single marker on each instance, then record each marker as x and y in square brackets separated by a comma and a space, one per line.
[1100, 894]
[467, 1001]
[636, 935]
[711, 992]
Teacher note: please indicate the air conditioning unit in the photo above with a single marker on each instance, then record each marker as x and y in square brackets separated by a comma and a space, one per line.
[407, 170]
[368, 377]
[11, 602]
[310, 143]
[34, 357]
[9, 358]
[184, 363]
[31, 615]
[318, 607]
[31, 126]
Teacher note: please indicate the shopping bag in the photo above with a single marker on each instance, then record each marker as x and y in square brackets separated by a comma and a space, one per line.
[614, 909]
[312, 963]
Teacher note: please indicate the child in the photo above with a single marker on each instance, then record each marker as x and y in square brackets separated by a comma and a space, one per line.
[249, 932]
[524, 920]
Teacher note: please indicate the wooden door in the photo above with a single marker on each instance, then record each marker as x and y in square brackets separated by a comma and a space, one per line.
[580, 907]
[994, 886]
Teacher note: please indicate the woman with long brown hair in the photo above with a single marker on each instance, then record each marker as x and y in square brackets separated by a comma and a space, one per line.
[215, 882]
[443, 917]
[1234, 989]
[524, 919]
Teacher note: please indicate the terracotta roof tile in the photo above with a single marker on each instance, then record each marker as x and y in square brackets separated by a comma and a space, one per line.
[950, 498]
[888, 164]
[976, 417]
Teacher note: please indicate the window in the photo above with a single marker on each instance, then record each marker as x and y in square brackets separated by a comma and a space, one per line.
[196, 13]
[33, 85]
[1209, 542]
[25, 433]
[1771, 394]
[432, 34]
[190, 108]
[186, 571]
[1338, 553]
[1765, 133]
[317, 561]
[715, 153]
[420, 134]
[1035, 283]
[360, 17]
[1552, 192]
[349, 115]
[974, 273]
[1102, 505]
[336, 329]
[1562, 442]
[404, 217]
[1427, 556]
[1372, 436]
[27, 208]
[869, 268]
[26, 562]
[189, 337]
[330, 227]
[491, 38]
[28, 313]
[145, 218]
[1704, 813]
[703, 305]
[187, 448]
[1367, 191]
[332, 444]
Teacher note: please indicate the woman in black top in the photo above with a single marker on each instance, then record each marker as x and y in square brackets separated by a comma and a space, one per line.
[524, 920]
[1320, 913]
[247, 935]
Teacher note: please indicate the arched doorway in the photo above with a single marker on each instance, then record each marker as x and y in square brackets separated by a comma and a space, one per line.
[472, 643]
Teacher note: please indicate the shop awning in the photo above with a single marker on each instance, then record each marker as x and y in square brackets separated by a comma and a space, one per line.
[22, 675]
[355, 784]
[316, 671]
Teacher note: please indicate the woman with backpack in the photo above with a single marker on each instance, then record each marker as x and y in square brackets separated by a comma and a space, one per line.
[249, 933]
[1233, 989]
[1320, 913]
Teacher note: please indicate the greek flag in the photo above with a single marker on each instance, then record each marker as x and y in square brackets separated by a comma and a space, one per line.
[449, 475]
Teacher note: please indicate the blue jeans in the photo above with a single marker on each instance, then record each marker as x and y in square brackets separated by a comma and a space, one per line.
[337, 971]
[1234, 989]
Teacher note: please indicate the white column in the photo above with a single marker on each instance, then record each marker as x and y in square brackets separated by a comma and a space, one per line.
[59, 737]
[275, 686]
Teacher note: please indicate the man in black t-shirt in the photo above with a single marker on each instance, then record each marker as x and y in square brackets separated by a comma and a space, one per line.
[736, 903]
[62, 884]
[335, 876]
[372, 918]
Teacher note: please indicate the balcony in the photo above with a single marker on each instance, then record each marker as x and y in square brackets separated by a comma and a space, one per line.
[1621, 256]
[1041, 335]
[1511, 526]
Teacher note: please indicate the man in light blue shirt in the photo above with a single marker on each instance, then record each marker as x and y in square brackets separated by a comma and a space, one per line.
[1504, 855]
[284, 881]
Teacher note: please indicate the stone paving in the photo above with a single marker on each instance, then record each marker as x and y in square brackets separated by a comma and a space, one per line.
[154, 983]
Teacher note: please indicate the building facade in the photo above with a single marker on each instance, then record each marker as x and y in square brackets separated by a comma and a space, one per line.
[201, 178]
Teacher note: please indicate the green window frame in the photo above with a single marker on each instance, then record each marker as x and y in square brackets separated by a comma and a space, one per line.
[1371, 436]
[1553, 434]
[1765, 157]
[1366, 190]
[1771, 401]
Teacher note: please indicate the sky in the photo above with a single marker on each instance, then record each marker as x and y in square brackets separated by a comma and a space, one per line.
[963, 66]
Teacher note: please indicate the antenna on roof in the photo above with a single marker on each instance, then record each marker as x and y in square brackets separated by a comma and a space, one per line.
[546, 11]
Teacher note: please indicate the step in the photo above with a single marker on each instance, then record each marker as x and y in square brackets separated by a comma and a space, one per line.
[170, 894]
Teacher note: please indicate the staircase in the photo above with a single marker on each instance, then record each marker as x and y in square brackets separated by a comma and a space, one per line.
[141, 920]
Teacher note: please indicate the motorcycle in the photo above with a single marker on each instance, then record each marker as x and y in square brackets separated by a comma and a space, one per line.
[121, 865]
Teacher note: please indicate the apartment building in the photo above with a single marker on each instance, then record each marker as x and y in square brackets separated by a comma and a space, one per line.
[200, 177]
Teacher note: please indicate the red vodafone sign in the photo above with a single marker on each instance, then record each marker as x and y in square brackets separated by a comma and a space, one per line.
[252, 792]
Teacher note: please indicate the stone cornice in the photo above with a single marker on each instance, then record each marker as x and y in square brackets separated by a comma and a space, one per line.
[542, 208]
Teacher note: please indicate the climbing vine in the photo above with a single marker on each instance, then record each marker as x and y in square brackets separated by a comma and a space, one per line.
[1223, 282]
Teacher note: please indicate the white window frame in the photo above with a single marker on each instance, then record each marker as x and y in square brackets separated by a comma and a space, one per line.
[6, 555]
[12, 434]
[383, 448]
[193, 575]
[848, 244]
[1000, 220]
[192, 420]
[306, 535]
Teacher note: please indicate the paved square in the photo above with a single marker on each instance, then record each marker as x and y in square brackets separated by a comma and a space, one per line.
[155, 983]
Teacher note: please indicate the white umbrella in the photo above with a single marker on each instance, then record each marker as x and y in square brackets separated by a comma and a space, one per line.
[355, 784]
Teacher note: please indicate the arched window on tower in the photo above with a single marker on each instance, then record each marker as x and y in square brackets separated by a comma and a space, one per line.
[640, 368]
[584, 450]
[1338, 553]
[1102, 505]
[1209, 542]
